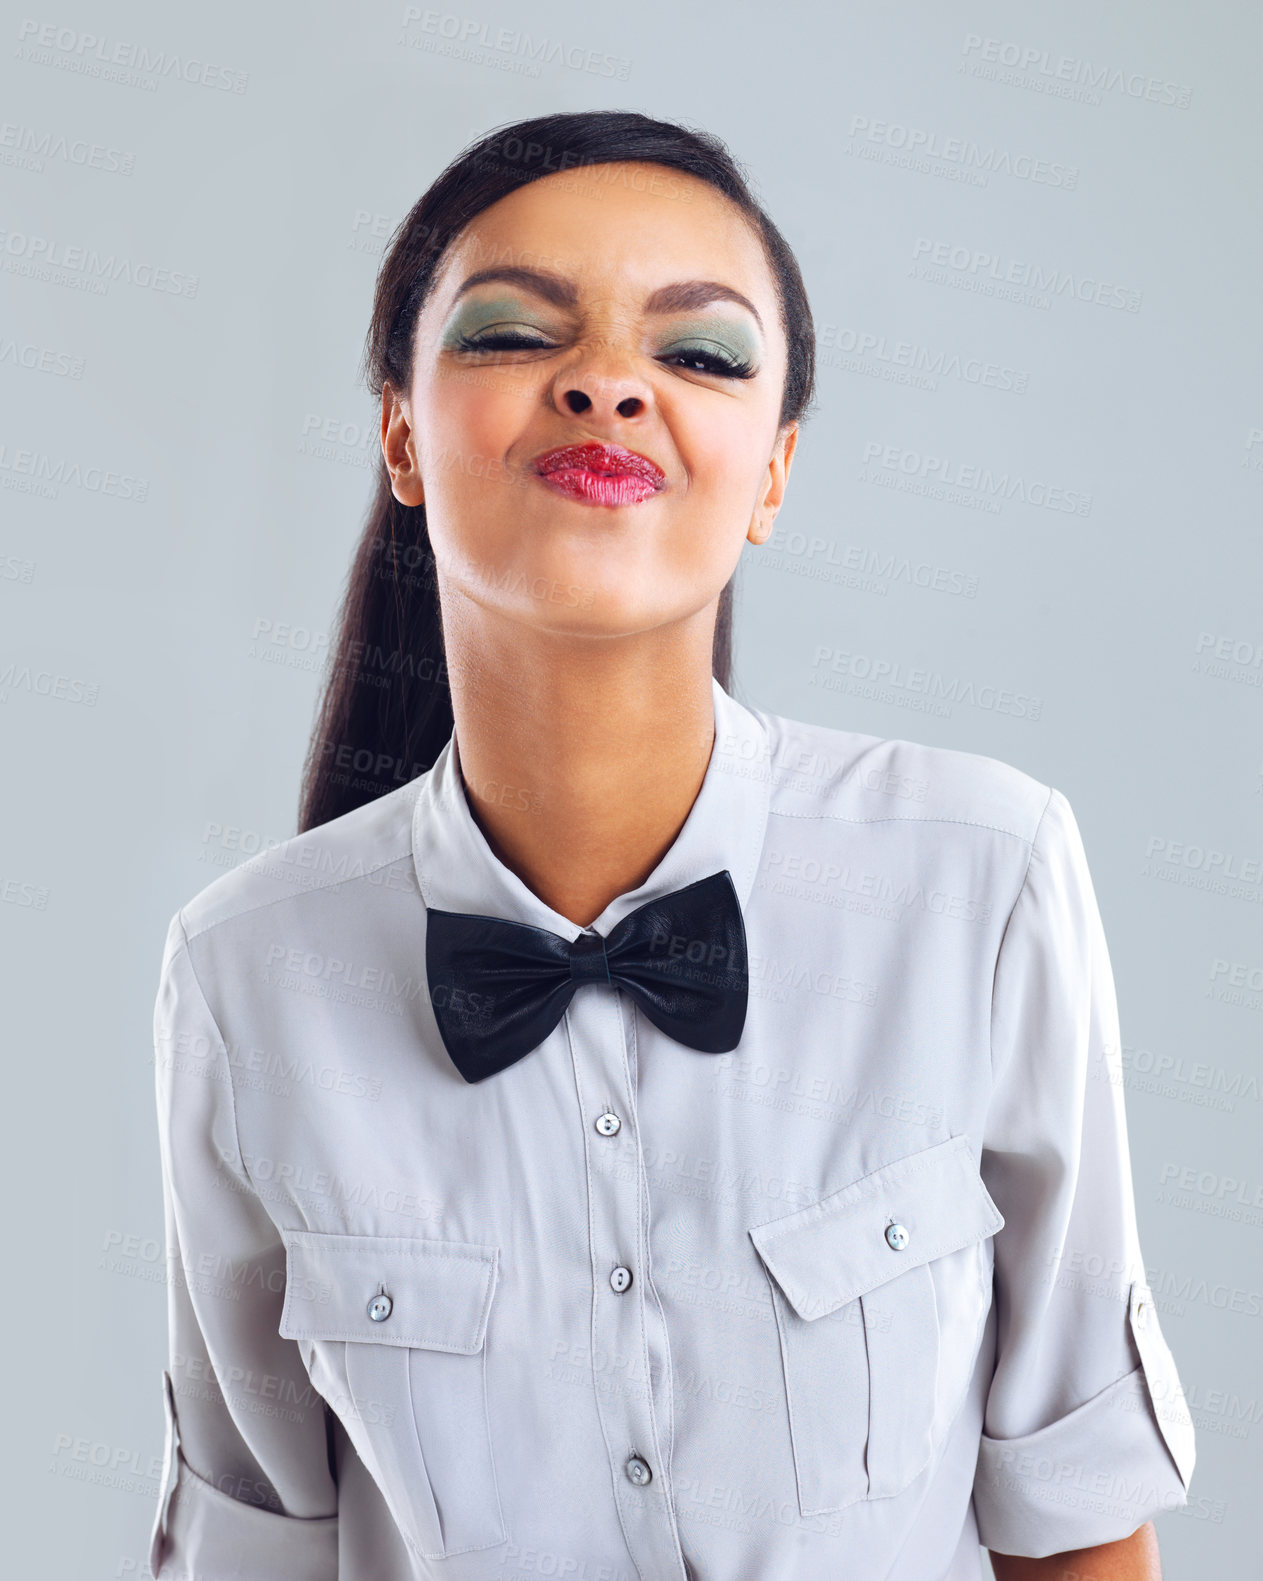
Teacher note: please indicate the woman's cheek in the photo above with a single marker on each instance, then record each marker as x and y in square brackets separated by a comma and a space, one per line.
[728, 480]
[471, 493]
[475, 424]
[472, 512]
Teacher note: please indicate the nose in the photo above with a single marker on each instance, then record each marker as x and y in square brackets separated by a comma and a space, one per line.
[602, 389]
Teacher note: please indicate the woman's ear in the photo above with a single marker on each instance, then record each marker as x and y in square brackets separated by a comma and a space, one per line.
[782, 458]
[399, 449]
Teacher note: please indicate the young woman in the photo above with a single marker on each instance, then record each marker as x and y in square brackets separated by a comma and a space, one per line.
[626, 1133]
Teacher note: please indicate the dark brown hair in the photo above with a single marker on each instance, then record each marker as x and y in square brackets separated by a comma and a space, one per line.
[385, 712]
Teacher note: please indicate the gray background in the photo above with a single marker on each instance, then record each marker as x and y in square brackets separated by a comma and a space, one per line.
[184, 456]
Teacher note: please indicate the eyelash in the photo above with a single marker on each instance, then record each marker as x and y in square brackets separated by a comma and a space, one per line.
[505, 340]
[712, 363]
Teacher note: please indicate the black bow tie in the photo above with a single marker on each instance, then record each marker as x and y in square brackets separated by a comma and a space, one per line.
[499, 988]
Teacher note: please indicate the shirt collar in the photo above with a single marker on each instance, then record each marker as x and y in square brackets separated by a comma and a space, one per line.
[458, 871]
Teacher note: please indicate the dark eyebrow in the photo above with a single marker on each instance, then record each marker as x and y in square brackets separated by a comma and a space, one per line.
[681, 297]
[688, 294]
[550, 286]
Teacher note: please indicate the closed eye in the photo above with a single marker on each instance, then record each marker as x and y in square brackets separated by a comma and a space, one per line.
[711, 359]
[514, 338]
[704, 359]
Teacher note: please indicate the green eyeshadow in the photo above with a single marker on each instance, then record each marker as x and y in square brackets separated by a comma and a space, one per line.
[477, 313]
[733, 338]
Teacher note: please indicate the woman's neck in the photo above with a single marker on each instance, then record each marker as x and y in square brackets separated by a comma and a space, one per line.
[581, 756]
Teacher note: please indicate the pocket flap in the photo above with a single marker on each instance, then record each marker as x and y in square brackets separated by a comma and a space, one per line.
[832, 1251]
[440, 1291]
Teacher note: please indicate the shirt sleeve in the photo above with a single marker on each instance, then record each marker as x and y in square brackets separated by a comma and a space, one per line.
[1086, 1434]
[247, 1487]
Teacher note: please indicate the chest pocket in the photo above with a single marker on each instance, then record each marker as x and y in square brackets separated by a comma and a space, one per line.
[880, 1291]
[393, 1332]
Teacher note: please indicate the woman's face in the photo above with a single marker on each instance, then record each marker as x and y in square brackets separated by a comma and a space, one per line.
[593, 421]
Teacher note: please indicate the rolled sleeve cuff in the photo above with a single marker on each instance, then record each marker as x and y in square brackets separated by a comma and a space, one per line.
[203, 1534]
[1099, 1472]
[209, 1536]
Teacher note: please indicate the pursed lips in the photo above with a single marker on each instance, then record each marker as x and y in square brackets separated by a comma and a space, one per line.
[599, 474]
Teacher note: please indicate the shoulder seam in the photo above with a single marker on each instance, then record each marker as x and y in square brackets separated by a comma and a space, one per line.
[223, 1045]
[1004, 932]
[970, 823]
[276, 900]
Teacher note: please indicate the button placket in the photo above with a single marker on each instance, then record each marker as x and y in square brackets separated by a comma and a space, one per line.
[628, 1349]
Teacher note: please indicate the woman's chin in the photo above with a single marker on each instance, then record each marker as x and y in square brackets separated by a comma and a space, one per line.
[561, 605]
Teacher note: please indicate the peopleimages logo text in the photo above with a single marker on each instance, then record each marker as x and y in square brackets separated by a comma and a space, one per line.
[892, 676]
[979, 264]
[1073, 69]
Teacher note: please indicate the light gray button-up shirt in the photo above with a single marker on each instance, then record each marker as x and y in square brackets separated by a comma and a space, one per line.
[849, 1301]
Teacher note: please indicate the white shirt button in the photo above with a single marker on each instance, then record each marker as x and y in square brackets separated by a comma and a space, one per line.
[607, 1123]
[620, 1278]
[897, 1236]
[380, 1308]
[637, 1471]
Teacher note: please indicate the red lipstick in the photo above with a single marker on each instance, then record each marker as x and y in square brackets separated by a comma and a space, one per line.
[600, 474]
